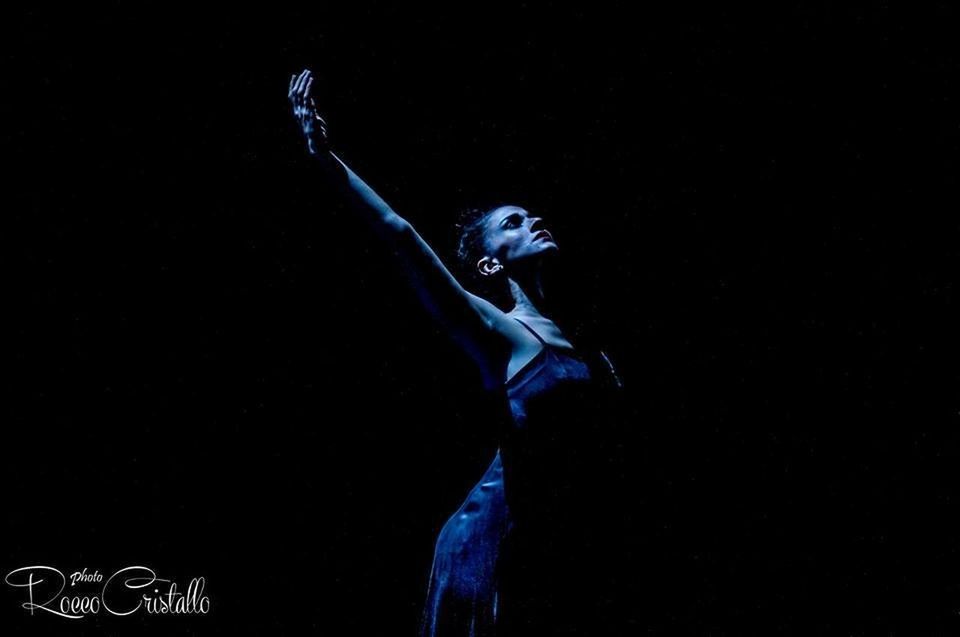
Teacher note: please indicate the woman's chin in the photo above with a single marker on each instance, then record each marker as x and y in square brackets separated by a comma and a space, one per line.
[548, 253]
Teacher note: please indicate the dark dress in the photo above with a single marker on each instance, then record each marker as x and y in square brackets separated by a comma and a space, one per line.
[519, 555]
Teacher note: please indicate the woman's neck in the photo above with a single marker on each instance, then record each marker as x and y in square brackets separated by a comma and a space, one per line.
[528, 296]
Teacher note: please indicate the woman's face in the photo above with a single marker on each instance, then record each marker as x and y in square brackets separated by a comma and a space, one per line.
[512, 234]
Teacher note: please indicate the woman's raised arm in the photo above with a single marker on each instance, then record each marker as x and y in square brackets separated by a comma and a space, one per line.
[471, 320]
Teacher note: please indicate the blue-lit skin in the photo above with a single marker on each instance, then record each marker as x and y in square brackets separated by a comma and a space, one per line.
[519, 246]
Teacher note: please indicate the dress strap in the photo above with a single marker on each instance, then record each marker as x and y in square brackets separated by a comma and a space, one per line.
[613, 371]
[537, 336]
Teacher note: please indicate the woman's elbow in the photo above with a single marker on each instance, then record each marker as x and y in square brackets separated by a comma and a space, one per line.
[398, 227]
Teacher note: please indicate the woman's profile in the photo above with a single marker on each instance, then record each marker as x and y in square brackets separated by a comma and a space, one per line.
[529, 549]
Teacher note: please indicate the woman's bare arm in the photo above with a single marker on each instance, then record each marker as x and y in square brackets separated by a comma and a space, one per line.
[471, 320]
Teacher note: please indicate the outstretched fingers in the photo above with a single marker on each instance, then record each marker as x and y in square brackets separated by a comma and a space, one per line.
[296, 83]
[301, 83]
[292, 91]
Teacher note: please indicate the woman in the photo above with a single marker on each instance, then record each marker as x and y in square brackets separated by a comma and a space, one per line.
[517, 556]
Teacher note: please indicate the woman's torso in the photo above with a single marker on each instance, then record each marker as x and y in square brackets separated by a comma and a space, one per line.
[556, 458]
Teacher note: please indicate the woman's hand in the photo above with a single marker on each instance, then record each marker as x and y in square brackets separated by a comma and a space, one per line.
[304, 109]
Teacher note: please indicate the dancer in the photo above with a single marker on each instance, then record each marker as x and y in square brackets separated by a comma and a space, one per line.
[528, 550]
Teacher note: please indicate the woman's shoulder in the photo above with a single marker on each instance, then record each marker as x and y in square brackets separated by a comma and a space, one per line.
[506, 325]
[543, 329]
[505, 340]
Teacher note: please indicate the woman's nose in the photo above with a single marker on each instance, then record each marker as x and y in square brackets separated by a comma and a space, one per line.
[535, 222]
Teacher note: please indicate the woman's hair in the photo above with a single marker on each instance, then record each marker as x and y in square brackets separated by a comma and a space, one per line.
[471, 226]
[471, 247]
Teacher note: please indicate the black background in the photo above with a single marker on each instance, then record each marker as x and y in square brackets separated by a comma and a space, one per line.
[217, 372]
